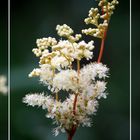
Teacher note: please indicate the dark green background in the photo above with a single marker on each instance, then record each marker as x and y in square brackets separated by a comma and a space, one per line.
[135, 71]
[3, 69]
[38, 18]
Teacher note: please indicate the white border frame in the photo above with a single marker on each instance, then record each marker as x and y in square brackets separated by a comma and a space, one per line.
[130, 107]
[9, 117]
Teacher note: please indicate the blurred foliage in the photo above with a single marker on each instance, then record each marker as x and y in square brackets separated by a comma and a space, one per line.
[38, 18]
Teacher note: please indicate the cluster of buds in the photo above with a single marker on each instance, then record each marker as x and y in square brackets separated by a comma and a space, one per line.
[59, 55]
[65, 31]
[107, 8]
[95, 18]
[97, 32]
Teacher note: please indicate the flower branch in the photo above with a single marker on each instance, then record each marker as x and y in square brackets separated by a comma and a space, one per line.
[85, 85]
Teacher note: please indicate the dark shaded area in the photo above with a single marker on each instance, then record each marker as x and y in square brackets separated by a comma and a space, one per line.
[135, 70]
[36, 19]
[3, 69]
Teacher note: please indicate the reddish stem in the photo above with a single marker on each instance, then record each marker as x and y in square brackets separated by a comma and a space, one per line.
[73, 129]
[71, 133]
[102, 47]
[69, 137]
[74, 104]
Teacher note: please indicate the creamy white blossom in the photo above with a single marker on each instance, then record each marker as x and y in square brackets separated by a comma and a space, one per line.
[83, 50]
[59, 62]
[100, 87]
[89, 72]
[88, 91]
[66, 80]
[46, 74]
[46, 102]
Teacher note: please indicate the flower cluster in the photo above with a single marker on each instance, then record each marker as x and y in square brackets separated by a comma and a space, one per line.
[84, 86]
[94, 17]
[3, 87]
[89, 86]
[57, 55]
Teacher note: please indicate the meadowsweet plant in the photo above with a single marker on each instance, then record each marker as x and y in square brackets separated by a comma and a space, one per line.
[3, 86]
[83, 86]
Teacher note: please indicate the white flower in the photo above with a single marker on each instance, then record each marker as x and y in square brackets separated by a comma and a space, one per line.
[65, 49]
[100, 89]
[46, 74]
[3, 87]
[46, 102]
[59, 62]
[93, 17]
[86, 122]
[85, 85]
[56, 131]
[83, 49]
[37, 52]
[101, 70]
[89, 91]
[64, 30]
[91, 107]
[96, 32]
[65, 80]
[45, 53]
[62, 44]
[45, 42]
[91, 71]
[35, 72]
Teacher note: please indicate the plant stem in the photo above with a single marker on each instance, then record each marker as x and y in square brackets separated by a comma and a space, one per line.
[103, 39]
[69, 137]
[74, 104]
[56, 96]
[102, 47]
[73, 130]
[76, 94]
[71, 133]
[78, 67]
